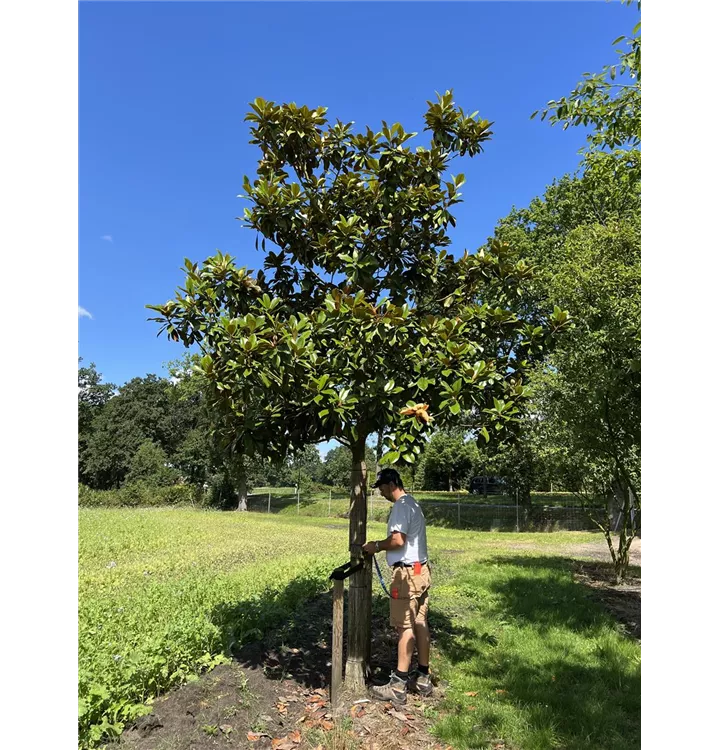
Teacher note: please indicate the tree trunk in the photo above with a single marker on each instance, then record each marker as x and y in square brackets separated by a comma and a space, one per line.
[379, 452]
[241, 483]
[379, 447]
[626, 528]
[359, 621]
[525, 497]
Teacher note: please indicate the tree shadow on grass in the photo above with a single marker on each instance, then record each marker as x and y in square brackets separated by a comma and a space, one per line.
[565, 673]
[288, 634]
[284, 633]
[560, 601]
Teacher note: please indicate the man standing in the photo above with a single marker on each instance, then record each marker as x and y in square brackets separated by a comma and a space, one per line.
[406, 553]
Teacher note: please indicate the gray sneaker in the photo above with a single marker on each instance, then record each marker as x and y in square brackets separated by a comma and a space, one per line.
[394, 691]
[421, 684]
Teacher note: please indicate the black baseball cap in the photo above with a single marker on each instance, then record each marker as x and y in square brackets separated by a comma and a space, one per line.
[388, 475]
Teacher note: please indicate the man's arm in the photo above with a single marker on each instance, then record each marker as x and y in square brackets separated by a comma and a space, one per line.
[395, 540]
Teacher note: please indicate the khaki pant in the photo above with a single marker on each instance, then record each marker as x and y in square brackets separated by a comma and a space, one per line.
[409, 602]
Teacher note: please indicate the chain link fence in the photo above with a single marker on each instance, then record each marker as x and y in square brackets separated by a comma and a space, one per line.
[547, 512]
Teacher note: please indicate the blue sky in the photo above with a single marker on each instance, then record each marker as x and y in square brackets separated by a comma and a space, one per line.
[164, 87]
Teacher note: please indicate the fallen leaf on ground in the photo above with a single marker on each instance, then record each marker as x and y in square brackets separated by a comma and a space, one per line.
[397, 714]
[502, 692]
[328, 725]
[254, 736]
[295, 737]
[282, 743]
[472, 693]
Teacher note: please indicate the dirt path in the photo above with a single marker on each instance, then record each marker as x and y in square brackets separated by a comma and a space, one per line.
[598, 550]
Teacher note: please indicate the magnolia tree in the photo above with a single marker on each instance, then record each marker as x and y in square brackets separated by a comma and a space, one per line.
[361, 322]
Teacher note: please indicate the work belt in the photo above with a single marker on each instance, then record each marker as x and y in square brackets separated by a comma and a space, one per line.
[408, 565]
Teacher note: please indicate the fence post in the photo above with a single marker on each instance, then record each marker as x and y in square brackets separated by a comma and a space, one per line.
[269, 501]
[297, 499]
[458, 505]
[330, 502]
[517, 510]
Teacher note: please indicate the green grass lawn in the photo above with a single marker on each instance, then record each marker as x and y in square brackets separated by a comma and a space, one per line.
[531, 661]
[163, 592]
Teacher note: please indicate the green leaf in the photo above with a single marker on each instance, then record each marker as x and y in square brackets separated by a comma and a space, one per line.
[391, 457]
[455, 408]
[423, 384]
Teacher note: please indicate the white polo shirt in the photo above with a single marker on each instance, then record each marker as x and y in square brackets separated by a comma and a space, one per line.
[406, 516]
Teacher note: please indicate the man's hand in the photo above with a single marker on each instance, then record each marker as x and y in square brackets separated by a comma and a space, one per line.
[370, 548]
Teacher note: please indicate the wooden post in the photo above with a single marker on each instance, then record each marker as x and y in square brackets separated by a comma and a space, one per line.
[337, 640]
[269, 501]
[330, 502]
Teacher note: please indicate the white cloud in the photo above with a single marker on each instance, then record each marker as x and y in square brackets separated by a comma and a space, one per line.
[106, 237]
[81, 312]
